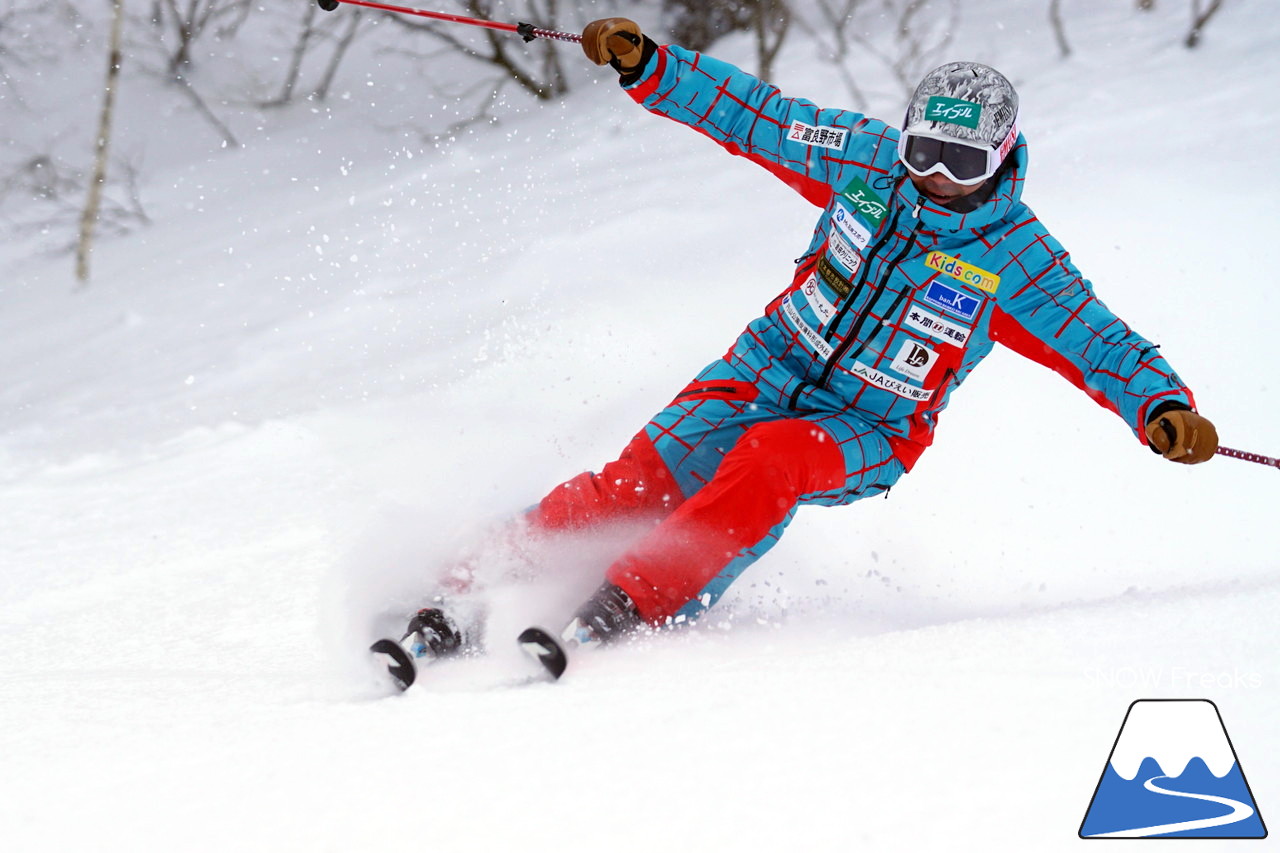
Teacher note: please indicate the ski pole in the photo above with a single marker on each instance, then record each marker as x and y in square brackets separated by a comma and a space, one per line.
[528, 32]
[1249, 457]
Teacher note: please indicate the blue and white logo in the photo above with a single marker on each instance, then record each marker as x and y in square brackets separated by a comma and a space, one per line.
[1173, 773]
[952, 300]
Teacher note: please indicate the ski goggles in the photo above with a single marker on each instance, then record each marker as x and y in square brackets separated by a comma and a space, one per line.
[926, 154]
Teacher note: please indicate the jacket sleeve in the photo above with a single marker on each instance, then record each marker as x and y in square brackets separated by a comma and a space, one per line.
[1054, 318]
[803, 145]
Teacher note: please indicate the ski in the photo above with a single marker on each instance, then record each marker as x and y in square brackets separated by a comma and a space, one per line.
[541, 646]
[400, 666]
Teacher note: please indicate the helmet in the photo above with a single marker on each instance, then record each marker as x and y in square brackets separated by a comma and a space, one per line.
[965, 101]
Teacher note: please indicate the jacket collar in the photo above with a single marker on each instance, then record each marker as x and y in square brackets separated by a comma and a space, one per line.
[1007, 196]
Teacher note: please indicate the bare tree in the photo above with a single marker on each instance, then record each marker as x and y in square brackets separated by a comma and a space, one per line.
[56, 22]
[41, 178]
[695, 24]
[341, 44]
[50, 199]
[1200, 19]
[184, 85]
[486, 96]
[94, 202]
[311, 34]
[535, 67]
[1059, 30]
[189, 20]
[919, 38]
[307, 34]
[771, 21]
[832, 31]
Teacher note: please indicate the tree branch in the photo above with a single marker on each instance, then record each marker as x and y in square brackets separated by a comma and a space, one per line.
[1199, 20]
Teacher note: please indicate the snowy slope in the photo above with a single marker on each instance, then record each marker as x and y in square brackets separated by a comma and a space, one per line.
[339, 352]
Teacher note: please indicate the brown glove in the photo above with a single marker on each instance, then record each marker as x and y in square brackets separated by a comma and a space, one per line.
[1183, 436]
[616, 41]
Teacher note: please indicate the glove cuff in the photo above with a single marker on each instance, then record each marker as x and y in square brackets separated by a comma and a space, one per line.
[1161, 410]
[1164, 408]
[632, 75]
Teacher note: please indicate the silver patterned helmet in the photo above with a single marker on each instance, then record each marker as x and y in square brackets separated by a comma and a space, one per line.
[957, 108]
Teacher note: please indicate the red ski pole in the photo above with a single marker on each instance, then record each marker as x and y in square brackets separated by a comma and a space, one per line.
[528, 32]
[1249, 457]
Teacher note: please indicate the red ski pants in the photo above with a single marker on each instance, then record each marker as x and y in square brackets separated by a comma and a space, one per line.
[762, 465]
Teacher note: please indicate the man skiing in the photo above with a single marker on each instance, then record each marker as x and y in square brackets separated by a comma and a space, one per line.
[923, 257]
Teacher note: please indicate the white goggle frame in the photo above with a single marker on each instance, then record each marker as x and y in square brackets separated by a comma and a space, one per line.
[995, 156]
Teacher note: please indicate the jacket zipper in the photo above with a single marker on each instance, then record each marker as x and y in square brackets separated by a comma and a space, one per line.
[854, 330]
[862, 276]
[844, 309]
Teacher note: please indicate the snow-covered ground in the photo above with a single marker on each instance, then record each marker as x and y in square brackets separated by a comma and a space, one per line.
[340, 351]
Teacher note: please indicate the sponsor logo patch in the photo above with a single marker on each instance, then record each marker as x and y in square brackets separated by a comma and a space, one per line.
[818, 137]
[953, 111]
[937, 327]
[895, 386]
[815, 340]
[865, 202]
[819, 303]
[850, 227]
[959, 270]
[834, 279]
[844, 252]
[950, 299]
[914, 360]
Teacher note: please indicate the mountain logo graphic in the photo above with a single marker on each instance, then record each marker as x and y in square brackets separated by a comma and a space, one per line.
[1172, 773]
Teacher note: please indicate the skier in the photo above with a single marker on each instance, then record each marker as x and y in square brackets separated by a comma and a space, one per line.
[923, 257]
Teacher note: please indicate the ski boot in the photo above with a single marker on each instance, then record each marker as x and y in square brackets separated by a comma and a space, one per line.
[430, 634]
[606, 617]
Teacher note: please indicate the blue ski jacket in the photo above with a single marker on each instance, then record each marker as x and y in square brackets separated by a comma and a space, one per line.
[897, 299]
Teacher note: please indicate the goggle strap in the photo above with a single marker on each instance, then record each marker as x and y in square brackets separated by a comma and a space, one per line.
[1007, 145]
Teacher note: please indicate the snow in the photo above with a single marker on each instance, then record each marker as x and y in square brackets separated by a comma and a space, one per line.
[340, 352]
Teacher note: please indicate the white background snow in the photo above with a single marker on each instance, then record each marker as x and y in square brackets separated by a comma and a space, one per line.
[341, 351]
